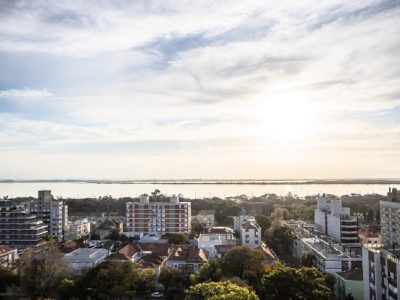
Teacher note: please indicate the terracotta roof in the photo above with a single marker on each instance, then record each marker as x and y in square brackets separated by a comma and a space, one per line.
[130, 249]
[118, 256]
[189, 255]
[5, 249]
[155, 248]
[69, 246]
[268, 252]
[151, 260]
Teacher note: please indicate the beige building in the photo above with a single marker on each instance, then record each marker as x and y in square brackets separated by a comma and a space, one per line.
[162, 217]
[390, 219]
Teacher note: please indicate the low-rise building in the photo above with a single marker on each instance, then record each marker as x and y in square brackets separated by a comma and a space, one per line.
[370, 235]
[187, 260]
[85, 258]
[216, 236]
[8, 256]
[78, 228]
[350, 283]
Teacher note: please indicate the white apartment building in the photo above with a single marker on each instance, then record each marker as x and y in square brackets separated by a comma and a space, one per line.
[390, 219]
[251, 234]
[53, 213]
[216, 236]
[78, 228]
[336, 221]
[163, 217]
[239, 220]
[381, 274]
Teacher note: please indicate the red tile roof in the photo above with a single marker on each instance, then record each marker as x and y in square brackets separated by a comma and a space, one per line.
[130, 250]
[118, 257]
[189, 255]
[5, 249]
[270, 256]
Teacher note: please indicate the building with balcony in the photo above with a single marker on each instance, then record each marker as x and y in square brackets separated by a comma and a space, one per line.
[250, 234]
[19, 228]
[52, 212]
[336, 221]
[206, 218]
[77, 228]
[8, 256]
[390, 219]
[381, 272]
[163, 217]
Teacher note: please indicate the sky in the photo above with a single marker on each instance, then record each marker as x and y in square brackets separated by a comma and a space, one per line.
[199, 89]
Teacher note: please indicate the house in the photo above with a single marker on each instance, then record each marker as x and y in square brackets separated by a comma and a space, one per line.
[8, 256]
[216, 236]
[118, 257]
[132, 251]
[187, 260]
[107, 227]
[153, 261]
[85, 258]
[250, 234]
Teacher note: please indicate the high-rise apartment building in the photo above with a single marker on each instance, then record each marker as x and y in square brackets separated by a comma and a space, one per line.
[19, 228]
[52, 212]
[336, 221]
[390, 219]
[163, 217]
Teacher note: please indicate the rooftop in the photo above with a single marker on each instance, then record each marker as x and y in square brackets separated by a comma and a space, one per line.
[189, 255]
[5, 249]
[86, 255]
[355, 274]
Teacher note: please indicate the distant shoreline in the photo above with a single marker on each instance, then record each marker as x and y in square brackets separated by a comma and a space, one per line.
[217, 182]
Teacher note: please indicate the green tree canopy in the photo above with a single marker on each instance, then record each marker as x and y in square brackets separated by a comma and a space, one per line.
[280, 238]
[219, 291]
[171, 279]
[210, 271]
[281, 282]
[241, 260]
[177, 238]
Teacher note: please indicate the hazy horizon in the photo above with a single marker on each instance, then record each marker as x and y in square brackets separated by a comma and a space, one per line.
[209, 89]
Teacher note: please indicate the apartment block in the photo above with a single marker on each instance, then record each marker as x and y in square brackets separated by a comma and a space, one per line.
[214, 237]
[52, 212]
[390, 219]
[163, 217]
[77, 229]
[381, 273]
[336, 221]
[19, 228]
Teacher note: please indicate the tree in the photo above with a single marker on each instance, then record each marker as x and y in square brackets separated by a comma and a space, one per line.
[7, 278]
[67, 289]
[264, 223]
[210, 271]
[241, 260]
[219, 291]
[115, 279]
[308, 259]
[177, 238]
[305, 283]
[280, 238]
[42, 272]
[171, 279]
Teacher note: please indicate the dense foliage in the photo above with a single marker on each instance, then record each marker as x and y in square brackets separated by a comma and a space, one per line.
[219, 291]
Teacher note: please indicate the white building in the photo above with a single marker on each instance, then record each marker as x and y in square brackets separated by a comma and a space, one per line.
[216, 236]
[163, 217]
[85, 258]
[335, 221]
[390, 219]
[251, 234]
[238, 221]
[78, 228]
[8, 256]
[187, 260]
[381, 273]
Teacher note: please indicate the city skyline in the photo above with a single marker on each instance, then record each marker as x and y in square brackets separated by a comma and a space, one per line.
[214, 89]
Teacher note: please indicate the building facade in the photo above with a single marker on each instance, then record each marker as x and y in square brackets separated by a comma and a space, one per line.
[216, 236]
[251, 234]
[206, 218]
[8, 256]
[19, 228]
[336, 221]
[78, 228]
[381, 272]
[52, 212]
[390, 219]
[163, 217]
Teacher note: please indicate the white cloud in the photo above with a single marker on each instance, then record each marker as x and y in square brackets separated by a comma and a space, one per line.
[26, 93]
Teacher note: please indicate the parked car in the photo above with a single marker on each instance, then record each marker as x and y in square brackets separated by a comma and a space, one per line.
[157, 295]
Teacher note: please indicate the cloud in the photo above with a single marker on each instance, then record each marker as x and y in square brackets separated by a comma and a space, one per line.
[27, 93]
